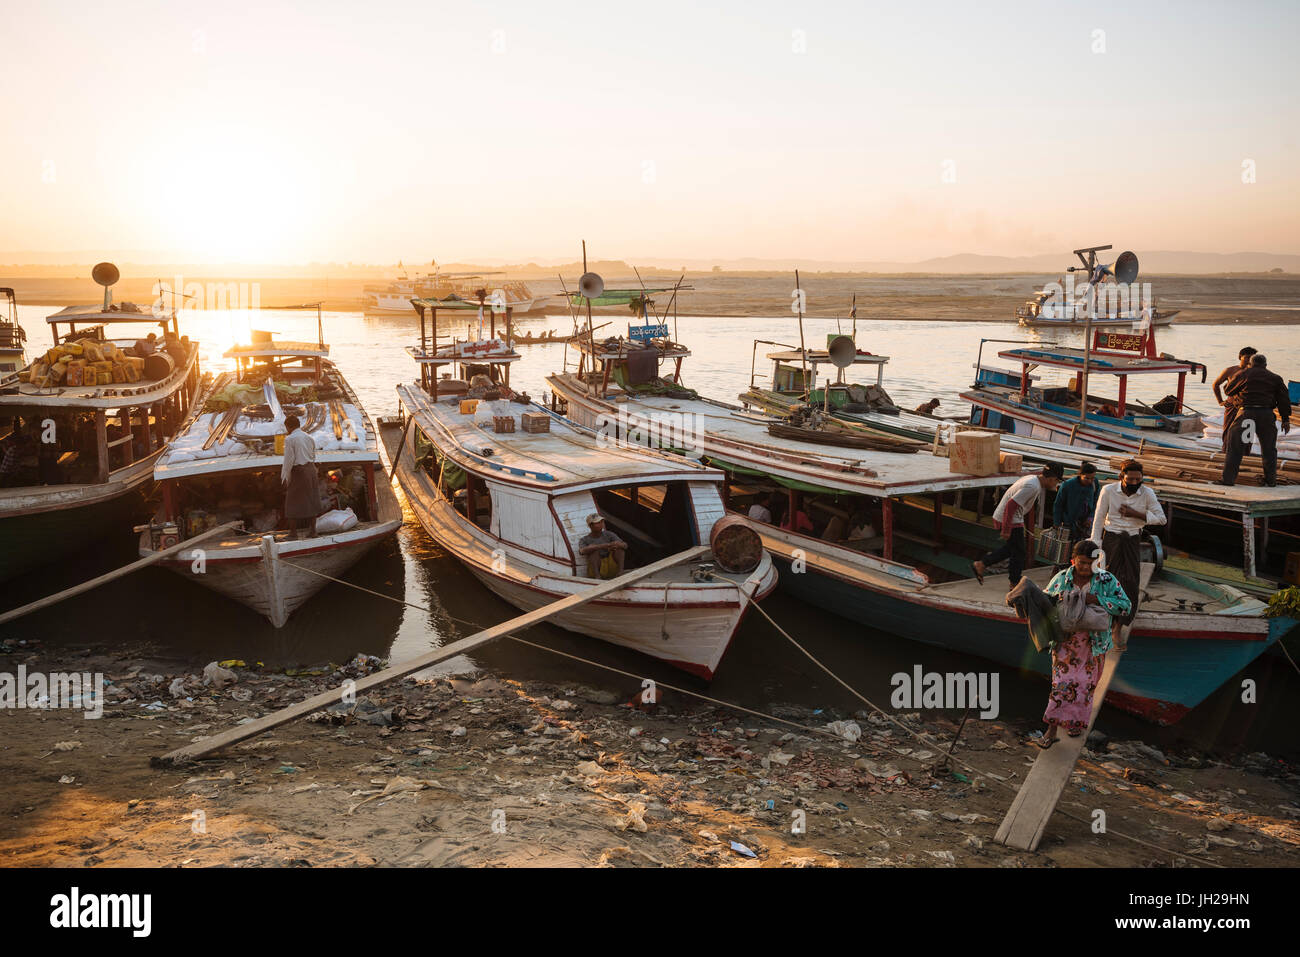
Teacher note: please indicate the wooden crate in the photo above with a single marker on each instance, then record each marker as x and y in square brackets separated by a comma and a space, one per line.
[535, 422]
[503, 423]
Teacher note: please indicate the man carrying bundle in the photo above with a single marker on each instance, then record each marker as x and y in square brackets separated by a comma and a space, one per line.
[1124, 509]
[299, 478]
[1075, 503]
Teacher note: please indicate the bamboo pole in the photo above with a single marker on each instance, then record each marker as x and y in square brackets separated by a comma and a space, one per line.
[243, 732]
[86, 586]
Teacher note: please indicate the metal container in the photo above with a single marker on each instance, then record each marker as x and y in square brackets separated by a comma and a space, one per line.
[737, 548]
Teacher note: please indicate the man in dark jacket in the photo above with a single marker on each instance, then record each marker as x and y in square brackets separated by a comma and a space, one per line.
[1231, 409]
[1075, 501]
[1259, 393]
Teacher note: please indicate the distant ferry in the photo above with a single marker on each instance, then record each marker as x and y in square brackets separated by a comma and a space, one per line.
[396, 296]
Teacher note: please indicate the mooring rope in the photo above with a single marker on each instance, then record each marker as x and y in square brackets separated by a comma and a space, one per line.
[924, 738]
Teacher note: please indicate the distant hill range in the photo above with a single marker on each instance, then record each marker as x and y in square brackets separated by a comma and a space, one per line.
[1153, 262]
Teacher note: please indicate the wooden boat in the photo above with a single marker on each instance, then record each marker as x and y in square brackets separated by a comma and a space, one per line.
[13, 339]
[512, 506]
[85, 452]
[224, 466]
[1189, 637]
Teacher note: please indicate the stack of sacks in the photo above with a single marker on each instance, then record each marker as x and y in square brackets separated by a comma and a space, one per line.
[86, 362]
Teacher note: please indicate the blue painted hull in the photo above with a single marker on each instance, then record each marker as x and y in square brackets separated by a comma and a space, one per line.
[1161, 676]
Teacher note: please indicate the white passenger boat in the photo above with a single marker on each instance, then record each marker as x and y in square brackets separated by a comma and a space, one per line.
[225, 466]
[513, 506]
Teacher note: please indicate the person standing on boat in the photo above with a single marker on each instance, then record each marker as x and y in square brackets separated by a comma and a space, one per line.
[1124, 509]
[1015, 513]
[299, 478]
[1075, 501]
[605, 552]
[1259, 392]
[1231, 408]
[1078, 659]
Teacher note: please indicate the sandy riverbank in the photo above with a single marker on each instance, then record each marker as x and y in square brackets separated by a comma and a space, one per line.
[498, 772]
[1199, 299]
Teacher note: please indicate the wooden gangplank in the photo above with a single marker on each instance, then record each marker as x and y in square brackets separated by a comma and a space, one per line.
[225, 739]
[1037, 798]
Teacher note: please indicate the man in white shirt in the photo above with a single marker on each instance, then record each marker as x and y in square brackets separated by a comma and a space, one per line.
[1015, 513]
[1123, 509]
[760, 512]
[299, 478]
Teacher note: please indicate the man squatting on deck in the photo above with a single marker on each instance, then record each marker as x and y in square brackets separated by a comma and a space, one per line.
[1015, 512]
[299, 478]
[605, 551]
[1124, 508]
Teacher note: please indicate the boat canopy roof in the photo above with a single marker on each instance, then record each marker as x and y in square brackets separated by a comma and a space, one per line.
[565, 458]
[270, 350]
[96, 314]
[452, 301]
[817, 356]
[618, 347]
[1099, 362]
[481, 352]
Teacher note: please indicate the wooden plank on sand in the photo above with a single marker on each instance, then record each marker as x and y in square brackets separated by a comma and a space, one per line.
[109, 576]
[225, 739]
[1037, 798]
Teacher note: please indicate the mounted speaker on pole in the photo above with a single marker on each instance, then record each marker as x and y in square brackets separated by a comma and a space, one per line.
[590, 286]
[106, 274]
[1125, 269]
[842, 352]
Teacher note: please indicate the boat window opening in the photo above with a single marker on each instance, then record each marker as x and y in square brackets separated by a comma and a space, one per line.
[69, 457]
[658, 521]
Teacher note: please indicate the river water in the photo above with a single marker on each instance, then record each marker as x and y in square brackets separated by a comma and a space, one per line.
[443, 602]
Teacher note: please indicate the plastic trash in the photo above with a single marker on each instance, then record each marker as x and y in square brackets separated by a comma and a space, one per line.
[742, 849]
[848, 730]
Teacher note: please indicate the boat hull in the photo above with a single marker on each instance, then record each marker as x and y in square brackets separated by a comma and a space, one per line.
[294, 576]
[684, 624]
[1172, 664]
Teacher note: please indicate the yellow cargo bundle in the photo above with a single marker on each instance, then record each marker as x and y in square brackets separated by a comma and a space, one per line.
[76, 373]
[38, 369]
[119, 372]
[92, 351]
[53, 355]
[135, 362]
[104, 365]
[110, 350]
[72, 348]
[132, 373]
[58, 370]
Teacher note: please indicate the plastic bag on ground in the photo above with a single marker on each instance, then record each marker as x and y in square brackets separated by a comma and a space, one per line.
[339, 520]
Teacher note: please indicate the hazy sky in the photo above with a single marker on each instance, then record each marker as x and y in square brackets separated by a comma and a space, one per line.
[254, 131]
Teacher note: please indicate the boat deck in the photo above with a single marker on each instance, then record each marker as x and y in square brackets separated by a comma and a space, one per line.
[185, 456]
[719, 425]
[563, 456]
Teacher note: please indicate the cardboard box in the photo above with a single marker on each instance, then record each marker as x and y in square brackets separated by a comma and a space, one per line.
[467, 406]
[1291, 571]
[535, 422]
[1010, 462]
[974, 453]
